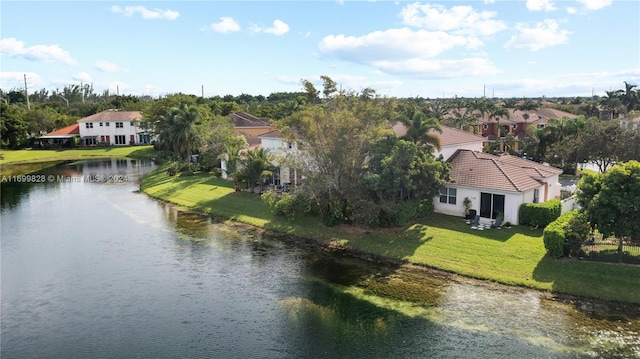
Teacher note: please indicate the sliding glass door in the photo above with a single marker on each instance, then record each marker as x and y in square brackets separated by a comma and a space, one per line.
[491, 205]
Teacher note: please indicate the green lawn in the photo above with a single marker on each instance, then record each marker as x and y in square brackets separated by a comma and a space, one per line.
[23, 156]
[513, 256]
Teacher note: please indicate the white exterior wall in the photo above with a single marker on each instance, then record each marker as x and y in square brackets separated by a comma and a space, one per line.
[512, 202]
[447, 151]
[127, 130]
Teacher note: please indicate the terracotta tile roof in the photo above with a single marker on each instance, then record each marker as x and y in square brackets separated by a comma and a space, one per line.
[505, 173]
[252, 141]
[448, 137]
[69, 130]
[241, 119]
[271, 134]
[113, 115]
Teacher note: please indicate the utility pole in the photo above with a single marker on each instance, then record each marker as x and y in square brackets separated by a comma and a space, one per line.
[26, 92]
[202, 91]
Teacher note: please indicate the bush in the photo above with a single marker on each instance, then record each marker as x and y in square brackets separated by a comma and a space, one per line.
[565, 235]
[284, 205]
[539, 214]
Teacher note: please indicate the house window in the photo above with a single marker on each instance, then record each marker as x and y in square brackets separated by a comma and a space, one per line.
[132, 123]
[536, 195]
[88, 125]
[100, 124]
[485, 127]
[90, 141]
[106, 124]
[541, 125]
[515, 126]
[448, 195]
[120, 139]
[119, 125]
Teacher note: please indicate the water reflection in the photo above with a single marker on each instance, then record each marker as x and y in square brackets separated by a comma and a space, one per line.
[132, 277]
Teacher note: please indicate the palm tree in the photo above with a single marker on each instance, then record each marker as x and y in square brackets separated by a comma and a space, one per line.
[496, 113]
[255, 166]
[185, 118]
[526, 106]
[232, 160]
[612, 102]
[420, 129]
[463, 118]
[482, 106]
[630, 98]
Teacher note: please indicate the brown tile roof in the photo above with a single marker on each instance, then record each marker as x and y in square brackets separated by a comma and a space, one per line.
[241, 119]
[449, 135]
[271, 134]
[252, 141]
[69, 130]
[113, 115]
[505, 173]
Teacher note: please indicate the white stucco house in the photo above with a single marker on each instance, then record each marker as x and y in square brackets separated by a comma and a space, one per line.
[496, 185]
[113, 127]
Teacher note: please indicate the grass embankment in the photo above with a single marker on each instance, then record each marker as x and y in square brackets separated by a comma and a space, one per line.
[30, 156]
[18, 162]
[513, 256]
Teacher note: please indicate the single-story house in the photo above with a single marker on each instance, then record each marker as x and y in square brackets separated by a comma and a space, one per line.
[496, 185]
[63, 137]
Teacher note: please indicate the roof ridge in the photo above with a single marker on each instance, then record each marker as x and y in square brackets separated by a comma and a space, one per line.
[506, 175]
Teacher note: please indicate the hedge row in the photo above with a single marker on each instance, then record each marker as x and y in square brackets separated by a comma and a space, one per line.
[539, 215]
[555, 234]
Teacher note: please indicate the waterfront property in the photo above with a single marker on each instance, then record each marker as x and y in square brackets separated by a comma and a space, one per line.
[64, 137]
[113, 127]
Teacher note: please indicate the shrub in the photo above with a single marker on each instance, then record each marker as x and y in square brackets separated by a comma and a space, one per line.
[284, 205]
[539, 214]
[565, 235]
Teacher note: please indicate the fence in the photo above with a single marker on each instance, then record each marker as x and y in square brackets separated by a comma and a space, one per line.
[608, 250]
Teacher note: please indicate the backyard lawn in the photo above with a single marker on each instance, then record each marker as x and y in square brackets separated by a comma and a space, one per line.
[514, 256]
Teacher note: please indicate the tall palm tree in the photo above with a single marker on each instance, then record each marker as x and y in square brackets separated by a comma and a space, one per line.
[420, 129]
[612, 102]
[463, 117]
[185, 119]
[526, 106]
[496, 113]
[481, 106]
[630, 98]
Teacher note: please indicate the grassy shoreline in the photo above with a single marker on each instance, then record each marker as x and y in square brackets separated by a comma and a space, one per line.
[20, 162]
[14, 157]
[514, 257]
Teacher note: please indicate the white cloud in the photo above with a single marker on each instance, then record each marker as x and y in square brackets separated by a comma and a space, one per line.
[146, 13]
[226, 24]
[392, 44]
[537, 37]
[408, 53]
[83, 77]
[540, 5]
[571, 10]
[106, 66]
[279, 28]
[12, 79]
[457, 19]
[42, 53]
[595, 4]
[438, 69]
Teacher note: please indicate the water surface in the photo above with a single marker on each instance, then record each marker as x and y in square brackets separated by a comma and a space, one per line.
[93, 269]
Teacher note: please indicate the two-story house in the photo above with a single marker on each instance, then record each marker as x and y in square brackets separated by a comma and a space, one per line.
[113, 127]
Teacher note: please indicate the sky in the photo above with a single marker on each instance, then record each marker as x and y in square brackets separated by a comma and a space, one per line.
[496, 48]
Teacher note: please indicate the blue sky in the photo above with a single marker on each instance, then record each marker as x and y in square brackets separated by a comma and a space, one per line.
[404, 49]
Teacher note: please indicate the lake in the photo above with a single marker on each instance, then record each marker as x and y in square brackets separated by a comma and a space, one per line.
[91, 268]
